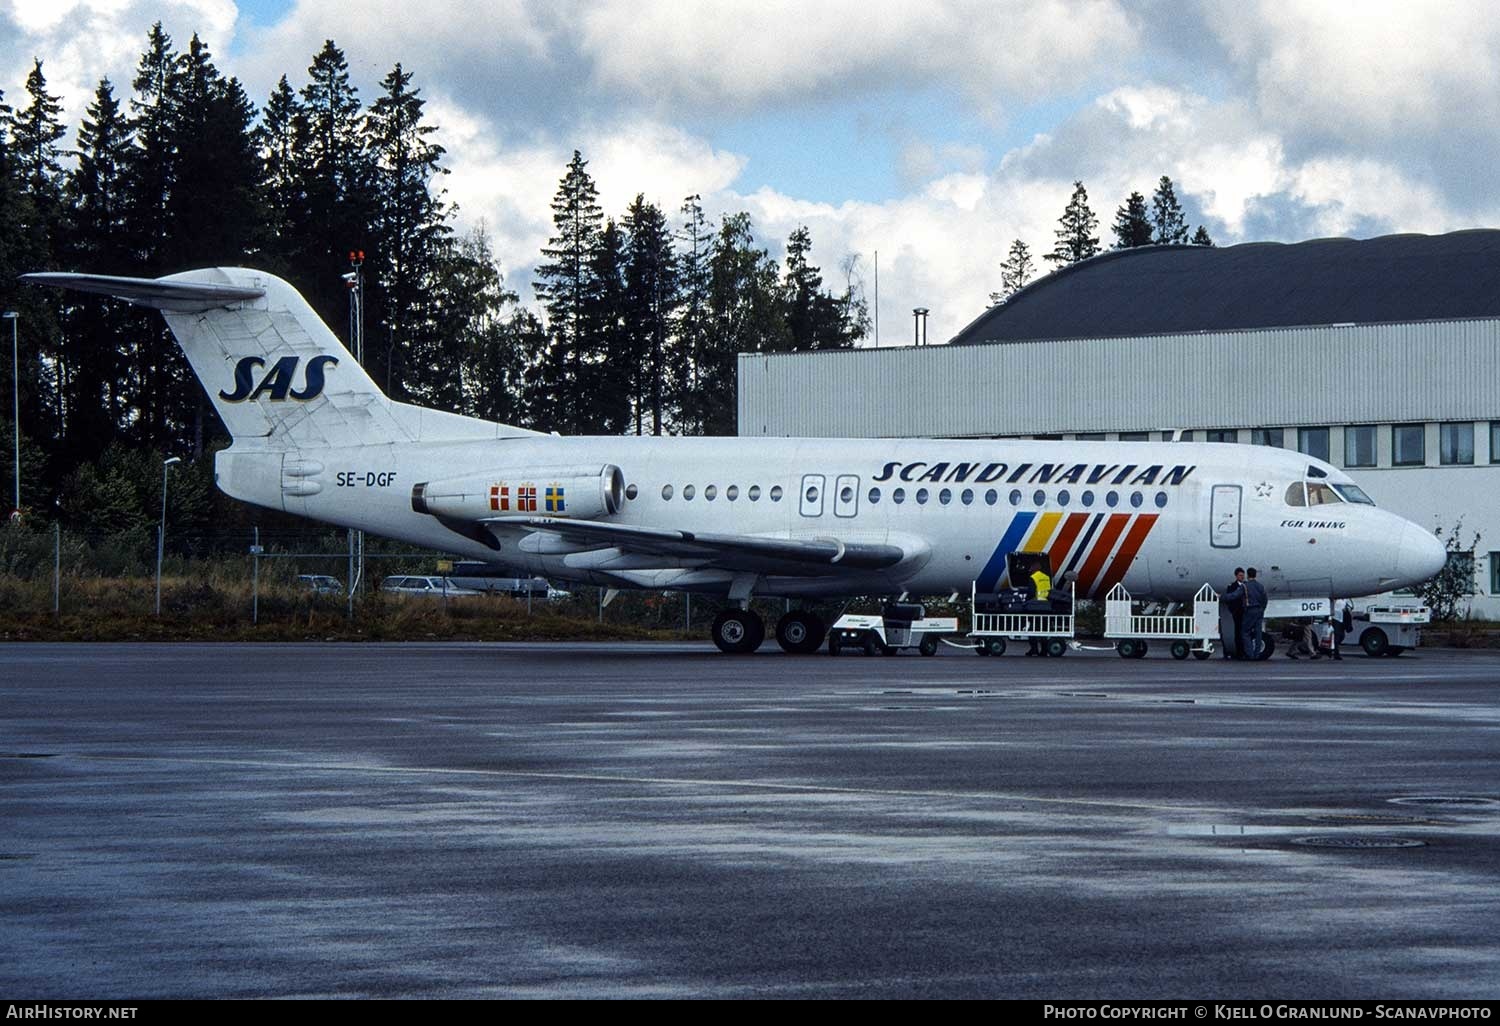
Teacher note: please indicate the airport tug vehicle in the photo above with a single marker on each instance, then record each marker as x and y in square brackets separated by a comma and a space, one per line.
[1185, 632]
[1013, 614]
[1393, 628]
[899, 625]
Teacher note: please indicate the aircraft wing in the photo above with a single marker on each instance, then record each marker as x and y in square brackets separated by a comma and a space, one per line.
[812, 556]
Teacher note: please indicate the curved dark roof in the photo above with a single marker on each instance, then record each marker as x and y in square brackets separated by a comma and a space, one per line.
[1158, 290]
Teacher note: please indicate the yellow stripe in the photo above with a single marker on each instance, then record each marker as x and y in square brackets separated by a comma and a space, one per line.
[1041, 534]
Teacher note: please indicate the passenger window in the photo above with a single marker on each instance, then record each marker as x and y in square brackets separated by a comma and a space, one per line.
[1039, 497]
[631, 492]
[776, 493]
[1161, 500]
[898, 496]
[732, 492]
[874, 496]
[666, 491]
[968, 496]
[754, 493]
[1294, 494]
[921, 496]
[1015, 496]
[1112, 499]
[1136, 498]
[991, 497]
[688, 491]
[1063, 497]
[711, 493]
[1088, 499]
[945, 496]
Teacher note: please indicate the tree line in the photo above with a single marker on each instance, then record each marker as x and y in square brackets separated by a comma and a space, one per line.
[640, 316]
[1077, 234]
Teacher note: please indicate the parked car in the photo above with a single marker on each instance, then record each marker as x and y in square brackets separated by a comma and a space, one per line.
[320, 584]
[435, 587]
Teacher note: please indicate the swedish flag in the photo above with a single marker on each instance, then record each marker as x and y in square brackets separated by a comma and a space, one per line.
[554, 499]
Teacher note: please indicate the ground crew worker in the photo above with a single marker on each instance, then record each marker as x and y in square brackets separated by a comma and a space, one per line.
[1255, 612]
[1042, 584]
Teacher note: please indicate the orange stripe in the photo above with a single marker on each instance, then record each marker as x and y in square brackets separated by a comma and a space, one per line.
[1101, 550]
[1065, 540]
[1134, 539]
[1041, 532]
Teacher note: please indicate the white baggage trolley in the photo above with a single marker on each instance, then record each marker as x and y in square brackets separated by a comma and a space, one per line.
[1188, 632]
[992, 630]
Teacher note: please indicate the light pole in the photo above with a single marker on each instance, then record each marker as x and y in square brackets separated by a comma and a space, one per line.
[161, 532]
[15, 385]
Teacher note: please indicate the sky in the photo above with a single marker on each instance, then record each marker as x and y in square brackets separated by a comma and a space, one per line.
[932, 134]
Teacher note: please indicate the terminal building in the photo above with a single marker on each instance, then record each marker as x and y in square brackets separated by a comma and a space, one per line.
[1381, 356]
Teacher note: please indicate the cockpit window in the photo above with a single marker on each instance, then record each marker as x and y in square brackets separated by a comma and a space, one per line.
[1320, 494]
[1353, 493]
[1313, 471]
[1294, 494]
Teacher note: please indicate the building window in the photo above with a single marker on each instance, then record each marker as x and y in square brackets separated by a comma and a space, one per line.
[1408, 445]
[1313, 442]
[1135, 436]
[1221, 436]
[1461, 565]
[1455, 444]
[1177, 436]
[1268, 436]
[1495, 441]
[1090, 437]
[1495, 573]
[1359, 446]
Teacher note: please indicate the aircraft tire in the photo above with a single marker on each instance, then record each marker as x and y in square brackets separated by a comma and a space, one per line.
[1180, 650]
[738, 631]
[800, 632]
[1374, 641]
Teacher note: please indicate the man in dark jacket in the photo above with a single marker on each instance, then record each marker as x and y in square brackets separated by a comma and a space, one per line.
[1255, 612]
[1231, 612]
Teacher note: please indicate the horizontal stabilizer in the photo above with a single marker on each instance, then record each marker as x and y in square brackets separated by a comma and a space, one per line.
[180, 296]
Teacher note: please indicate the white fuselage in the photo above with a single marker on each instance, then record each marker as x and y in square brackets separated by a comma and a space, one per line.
[1161, 518]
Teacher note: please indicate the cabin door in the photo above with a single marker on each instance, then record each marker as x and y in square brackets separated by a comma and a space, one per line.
[1224, 517]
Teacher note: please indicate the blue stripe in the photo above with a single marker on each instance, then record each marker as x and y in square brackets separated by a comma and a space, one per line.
[990, 576]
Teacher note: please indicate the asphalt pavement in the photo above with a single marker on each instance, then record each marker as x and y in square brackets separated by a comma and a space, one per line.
[628, 820]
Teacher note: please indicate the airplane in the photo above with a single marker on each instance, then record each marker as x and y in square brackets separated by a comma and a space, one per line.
[795, 518]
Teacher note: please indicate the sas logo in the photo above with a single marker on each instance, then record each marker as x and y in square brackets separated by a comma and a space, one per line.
[276, 383]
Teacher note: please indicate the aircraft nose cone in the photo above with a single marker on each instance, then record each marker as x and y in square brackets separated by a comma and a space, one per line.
[1419, 557]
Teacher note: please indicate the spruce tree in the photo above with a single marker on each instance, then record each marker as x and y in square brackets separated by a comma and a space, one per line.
[1200, 237]
[409, 234]
[651, 299]
[569, 289]
[690, 334]
[1015, 272]
[1077, 232]
[277, 138]
[1167, 222]
[1132, 225]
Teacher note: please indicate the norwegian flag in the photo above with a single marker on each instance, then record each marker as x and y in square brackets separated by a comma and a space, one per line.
[526, 498]
[500, 498]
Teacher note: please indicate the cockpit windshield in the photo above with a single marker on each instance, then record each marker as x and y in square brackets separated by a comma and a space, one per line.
[1322, 493]
[1353, 493]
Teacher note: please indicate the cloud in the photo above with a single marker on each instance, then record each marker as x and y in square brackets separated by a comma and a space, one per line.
[81, 41]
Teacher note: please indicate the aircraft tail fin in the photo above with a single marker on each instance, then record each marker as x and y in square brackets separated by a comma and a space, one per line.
[277, 376]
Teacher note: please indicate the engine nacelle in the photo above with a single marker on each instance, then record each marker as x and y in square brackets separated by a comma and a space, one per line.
[581, 492]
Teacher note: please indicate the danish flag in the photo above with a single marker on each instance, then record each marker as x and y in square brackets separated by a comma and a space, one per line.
[500, 498]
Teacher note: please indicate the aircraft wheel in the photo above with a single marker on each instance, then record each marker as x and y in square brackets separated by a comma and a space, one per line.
[800, 632]
[1056, 648]
[1374, 641]
[1180, 649]
[929, 645]
[738, 631]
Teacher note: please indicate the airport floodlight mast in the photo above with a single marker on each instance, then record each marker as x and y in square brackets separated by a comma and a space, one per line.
[161, 531]
[15, 388]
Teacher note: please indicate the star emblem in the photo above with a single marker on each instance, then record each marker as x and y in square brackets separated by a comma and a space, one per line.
[1263, 490]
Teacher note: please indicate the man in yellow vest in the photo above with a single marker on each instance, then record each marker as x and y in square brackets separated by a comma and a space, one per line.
[1041, 585]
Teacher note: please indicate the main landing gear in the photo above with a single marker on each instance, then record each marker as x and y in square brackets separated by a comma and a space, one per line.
[740, 631]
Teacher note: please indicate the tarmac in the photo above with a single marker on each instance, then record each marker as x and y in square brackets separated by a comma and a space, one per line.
[634, 820]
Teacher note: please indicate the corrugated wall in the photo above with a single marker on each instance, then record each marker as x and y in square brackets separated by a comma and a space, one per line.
[1350, 374]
